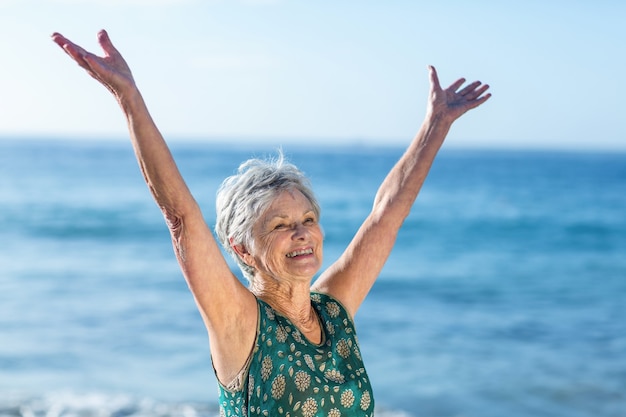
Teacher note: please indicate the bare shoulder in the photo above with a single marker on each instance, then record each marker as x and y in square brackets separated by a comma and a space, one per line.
[339, 286]
[233, 339]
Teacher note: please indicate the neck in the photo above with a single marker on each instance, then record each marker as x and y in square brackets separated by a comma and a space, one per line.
[290, 300]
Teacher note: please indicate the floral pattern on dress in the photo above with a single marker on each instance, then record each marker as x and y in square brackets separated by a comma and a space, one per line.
[334, 376]
[333, 309]
[266, 368]
[302, 380]
[281, 334]
[278, 387]
[347, 398]
[334, 412]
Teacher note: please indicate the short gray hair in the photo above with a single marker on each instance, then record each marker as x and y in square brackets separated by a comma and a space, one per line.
[243, 198]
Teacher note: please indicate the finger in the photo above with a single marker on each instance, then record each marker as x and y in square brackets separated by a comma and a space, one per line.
[477, 92]
[455, 85]
[59, 39]
[74, 51]
[434, 78]
[77, 53]
[106, 44]
[475, 103]
[469, 88]
[63, 43]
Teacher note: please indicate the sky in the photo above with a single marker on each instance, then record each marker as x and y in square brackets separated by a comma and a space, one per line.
[314, 72]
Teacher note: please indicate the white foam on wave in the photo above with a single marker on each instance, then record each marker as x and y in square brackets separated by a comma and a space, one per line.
[73, 404]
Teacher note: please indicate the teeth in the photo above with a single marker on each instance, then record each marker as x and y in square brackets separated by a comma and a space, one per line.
[300, 252]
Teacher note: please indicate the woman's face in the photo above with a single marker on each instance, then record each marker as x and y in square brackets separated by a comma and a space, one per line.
[287, 240]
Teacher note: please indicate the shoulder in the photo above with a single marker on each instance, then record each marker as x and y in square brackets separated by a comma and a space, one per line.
[330, 307]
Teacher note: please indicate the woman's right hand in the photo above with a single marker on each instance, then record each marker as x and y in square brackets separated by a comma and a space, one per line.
[111, 70]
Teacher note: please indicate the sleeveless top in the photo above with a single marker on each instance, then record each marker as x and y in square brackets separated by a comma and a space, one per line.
[287, 375]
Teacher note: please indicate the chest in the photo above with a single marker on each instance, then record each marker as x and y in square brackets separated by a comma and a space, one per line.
[291, 375]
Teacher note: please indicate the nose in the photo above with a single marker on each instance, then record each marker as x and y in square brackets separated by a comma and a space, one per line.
[300, 232]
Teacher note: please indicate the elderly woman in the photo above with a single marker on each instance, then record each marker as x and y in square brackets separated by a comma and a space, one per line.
[285, 344]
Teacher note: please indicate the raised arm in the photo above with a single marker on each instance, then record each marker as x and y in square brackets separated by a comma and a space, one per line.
[227, 307]
[352, 276]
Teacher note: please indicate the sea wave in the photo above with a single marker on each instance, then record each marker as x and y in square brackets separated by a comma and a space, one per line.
[73, 404]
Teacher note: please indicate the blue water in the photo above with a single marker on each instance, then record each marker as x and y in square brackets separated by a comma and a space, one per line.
[505, 294]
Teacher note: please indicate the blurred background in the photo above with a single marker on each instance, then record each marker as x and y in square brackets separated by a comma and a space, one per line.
[349, 71]
[505, 292]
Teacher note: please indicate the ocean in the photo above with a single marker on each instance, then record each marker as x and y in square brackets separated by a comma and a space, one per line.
[504, 296]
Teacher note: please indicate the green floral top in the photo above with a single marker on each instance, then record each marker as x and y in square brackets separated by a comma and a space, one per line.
[287, 375]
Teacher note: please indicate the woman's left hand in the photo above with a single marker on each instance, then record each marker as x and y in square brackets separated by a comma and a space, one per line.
[450, 103]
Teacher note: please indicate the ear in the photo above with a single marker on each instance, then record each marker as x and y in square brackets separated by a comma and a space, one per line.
[242, 252]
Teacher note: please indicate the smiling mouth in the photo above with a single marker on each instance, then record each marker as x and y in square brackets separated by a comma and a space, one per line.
[300, 252]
